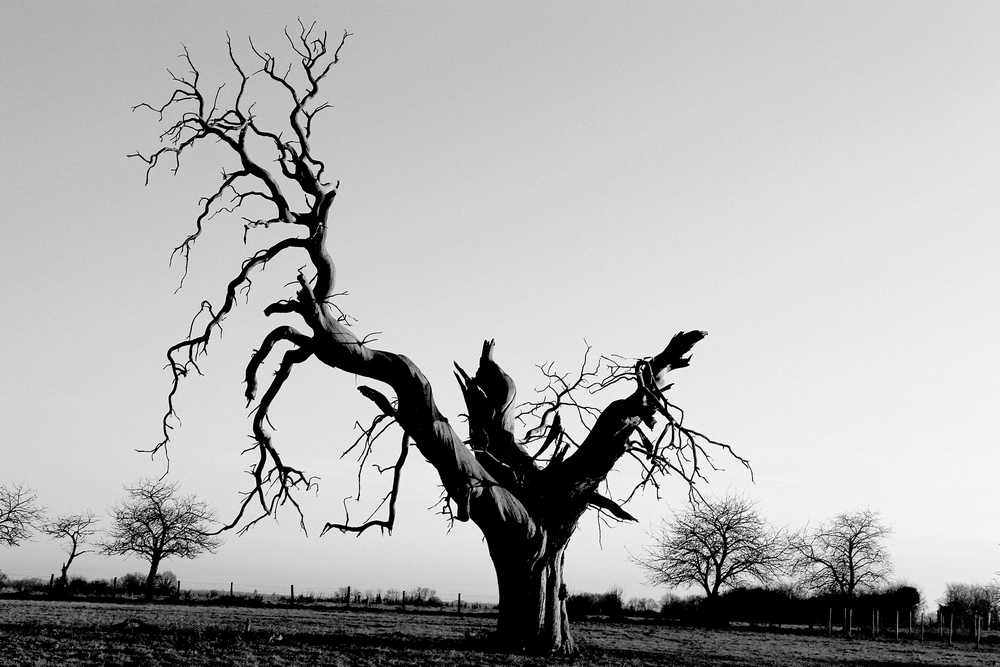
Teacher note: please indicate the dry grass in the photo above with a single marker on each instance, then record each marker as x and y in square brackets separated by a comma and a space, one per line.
[70, 634]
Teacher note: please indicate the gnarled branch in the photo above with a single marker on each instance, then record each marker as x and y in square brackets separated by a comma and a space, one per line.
[492, 478]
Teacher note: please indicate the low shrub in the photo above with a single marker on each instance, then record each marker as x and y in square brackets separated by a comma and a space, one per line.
[595, 604]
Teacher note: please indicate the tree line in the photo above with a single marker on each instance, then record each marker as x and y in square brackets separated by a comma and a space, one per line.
[153, 521]
[747, 569]
[723, 543]
[129, 584]
[751, 571]
[167, 585]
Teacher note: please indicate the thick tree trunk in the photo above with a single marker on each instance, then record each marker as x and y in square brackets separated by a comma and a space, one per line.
[532, 599]
[555, 635]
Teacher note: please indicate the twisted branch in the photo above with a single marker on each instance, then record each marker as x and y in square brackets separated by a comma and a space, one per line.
[196, 121]
[492, 477]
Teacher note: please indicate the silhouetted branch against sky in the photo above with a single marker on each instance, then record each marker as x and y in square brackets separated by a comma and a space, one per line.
[20, 514]
[269, 167]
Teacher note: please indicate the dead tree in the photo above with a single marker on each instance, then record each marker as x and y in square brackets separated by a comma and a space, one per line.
[76, 529]
[526, 492]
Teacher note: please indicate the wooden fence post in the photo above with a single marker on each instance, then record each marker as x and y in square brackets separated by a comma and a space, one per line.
[348, 596]
[114, 587]
[459, 603]
[178, 588]
[230, 589]
[897, 625]
[292, 598]
[829, 624]
[951, 628]
[404, 599]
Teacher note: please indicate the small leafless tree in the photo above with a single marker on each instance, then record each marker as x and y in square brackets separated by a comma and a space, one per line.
[19, 514]
[76, 529]
[524, 475]
[715, 544]
[155, 522]
[845, 555]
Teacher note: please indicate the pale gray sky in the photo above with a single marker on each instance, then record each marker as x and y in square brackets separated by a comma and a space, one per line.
[814, 184]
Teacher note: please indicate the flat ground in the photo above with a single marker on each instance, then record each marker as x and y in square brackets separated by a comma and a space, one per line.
[69, 634]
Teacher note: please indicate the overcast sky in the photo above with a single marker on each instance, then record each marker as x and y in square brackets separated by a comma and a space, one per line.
[814, 184]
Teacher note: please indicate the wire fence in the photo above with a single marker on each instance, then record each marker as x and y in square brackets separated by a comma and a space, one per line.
[328, 592]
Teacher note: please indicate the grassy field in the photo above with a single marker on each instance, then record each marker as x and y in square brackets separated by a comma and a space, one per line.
[68, 634]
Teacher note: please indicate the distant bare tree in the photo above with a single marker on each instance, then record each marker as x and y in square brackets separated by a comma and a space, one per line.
[845, 555]
[715, 544]
[19, 514]
[155, 522]
[77, 529]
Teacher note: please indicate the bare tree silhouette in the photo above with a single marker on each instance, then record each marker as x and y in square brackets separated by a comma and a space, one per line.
[844, 555]
[526, 493]
[19, 514]
[77, 529]
[155, 522]
[716, 544]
